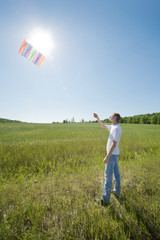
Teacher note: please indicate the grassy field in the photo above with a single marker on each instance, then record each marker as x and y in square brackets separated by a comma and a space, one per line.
[51, 174]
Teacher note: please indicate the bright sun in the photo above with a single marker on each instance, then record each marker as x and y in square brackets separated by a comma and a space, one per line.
[42, 41]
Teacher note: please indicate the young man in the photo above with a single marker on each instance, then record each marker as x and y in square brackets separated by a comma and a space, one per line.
[111, 159]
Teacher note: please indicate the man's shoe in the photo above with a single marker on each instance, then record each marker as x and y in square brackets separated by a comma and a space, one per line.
[103, 203]
[115, 194]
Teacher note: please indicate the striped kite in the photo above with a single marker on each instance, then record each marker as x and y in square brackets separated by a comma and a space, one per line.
[29, 52]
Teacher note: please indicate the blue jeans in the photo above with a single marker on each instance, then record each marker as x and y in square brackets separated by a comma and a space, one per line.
[110, 169]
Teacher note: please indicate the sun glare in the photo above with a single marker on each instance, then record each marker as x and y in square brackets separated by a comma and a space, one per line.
[42, 41]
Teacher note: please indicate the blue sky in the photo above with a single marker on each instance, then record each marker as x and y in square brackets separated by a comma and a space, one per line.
[106, 59]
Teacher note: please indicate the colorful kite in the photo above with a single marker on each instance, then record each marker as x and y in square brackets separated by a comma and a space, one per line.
[27, 51]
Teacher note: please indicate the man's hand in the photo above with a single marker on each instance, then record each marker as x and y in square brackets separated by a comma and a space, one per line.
[106, 160]
[95, 115]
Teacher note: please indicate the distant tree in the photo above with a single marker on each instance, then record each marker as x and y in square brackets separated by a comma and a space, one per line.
[154, 119]
[72, 120]
[4, 120]
[129, 120]
[148, 118]
[106, 120]
[136, 119]
[82, 120]
[65, 121]
[143, 119]
[124, 120]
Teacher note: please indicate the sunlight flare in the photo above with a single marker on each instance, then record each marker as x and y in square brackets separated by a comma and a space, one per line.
[42, 40]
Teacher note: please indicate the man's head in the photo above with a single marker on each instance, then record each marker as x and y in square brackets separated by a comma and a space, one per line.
[114, 118]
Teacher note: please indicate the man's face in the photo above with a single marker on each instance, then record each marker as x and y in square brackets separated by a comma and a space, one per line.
[113, 118]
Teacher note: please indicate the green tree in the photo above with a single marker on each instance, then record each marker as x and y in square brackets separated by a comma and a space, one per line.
[154, 119]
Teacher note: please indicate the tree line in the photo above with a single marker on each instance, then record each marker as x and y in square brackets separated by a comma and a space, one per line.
[4, 120]
[153, 118]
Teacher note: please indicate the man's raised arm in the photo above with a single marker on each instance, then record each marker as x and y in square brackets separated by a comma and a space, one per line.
[99, 121]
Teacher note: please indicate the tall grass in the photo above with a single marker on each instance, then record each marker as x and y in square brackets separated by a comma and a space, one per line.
[51, 175]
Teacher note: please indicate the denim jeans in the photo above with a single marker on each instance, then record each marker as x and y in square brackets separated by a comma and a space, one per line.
[110, 169]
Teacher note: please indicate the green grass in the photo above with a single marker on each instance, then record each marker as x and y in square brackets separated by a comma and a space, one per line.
[51, 175]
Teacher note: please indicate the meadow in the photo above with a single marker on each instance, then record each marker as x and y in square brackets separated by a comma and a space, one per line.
[51, 174]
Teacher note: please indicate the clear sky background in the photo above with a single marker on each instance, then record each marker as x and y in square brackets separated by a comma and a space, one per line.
[106, 58]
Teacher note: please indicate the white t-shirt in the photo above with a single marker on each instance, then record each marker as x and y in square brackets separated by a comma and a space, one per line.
[115, 135]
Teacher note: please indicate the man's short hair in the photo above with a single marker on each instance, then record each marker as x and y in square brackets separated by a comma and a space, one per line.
[118, 117]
